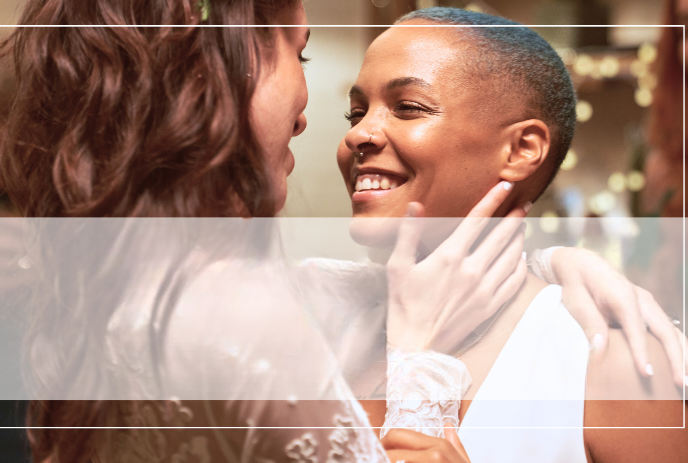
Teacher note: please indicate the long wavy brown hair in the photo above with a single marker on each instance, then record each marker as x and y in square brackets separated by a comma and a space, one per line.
[130, 121]
[136, 121]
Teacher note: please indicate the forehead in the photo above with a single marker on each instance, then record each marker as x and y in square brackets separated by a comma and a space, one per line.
[418, 51]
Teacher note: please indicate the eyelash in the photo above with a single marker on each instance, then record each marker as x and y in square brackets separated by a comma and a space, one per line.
[403, 106]
[303, 60]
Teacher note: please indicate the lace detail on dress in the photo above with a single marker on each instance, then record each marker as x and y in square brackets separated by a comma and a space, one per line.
[424, 391]
[303, 449]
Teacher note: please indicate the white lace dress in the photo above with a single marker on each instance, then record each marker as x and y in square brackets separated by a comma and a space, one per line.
[245, 374]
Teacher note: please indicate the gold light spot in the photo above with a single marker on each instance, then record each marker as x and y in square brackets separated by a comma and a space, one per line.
[583, 65]
[570, 161]
[638, 68]
[473, 7]
[635, 181]
[647, 53]
[609, 66]
[647, 80]
[643, 97]
[583, 111]
[549, 222]
[617, 182]
[602, 202]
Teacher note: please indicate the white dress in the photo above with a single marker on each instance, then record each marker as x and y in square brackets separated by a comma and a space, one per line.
[530, 407]
[242, 353]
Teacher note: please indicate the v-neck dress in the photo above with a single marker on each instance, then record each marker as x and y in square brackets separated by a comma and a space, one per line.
[530, 407]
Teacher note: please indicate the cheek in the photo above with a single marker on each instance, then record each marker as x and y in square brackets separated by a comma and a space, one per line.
[344, 160]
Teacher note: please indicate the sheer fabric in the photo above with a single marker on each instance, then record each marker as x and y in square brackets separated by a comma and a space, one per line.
[243, 354]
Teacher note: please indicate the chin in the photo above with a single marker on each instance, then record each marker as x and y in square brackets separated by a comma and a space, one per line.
[375, 232]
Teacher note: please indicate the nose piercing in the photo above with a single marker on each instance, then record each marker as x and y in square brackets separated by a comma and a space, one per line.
[357, 155]
[370, 139]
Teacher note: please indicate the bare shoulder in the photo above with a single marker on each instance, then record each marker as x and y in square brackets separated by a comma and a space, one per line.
[612, 376]
[618, 397]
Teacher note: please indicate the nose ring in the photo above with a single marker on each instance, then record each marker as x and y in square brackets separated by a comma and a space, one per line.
[370, 139]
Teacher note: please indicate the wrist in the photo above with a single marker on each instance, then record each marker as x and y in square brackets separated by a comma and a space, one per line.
[542, 264]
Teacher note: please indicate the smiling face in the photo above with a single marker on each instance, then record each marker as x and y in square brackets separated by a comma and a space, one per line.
[280, 98]
[435, 135]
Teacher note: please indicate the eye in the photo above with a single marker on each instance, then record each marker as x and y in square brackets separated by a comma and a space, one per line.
[354, 116]
[410, 108]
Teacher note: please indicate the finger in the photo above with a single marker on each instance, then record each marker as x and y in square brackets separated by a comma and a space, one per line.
[410, 230]
[684, 346]
[494, 198]
[624, 303]
[493, 246]
[662, 329]
[511, 285]
[422, 456]
[584, 310]
[477, 219]
[406, 439]
[505, 264]
[453, 438]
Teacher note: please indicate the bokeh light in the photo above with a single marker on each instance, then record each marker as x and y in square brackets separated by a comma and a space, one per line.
[549, 222]
[570, 161]
[609, 67]
[583, 65]
[617, 182]
[643, 97]
[647, 53]
[602, 202]
[635, 181]
[583, 111]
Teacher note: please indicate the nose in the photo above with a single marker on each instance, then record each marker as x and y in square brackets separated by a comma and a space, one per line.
[365, 137]
[299, 125]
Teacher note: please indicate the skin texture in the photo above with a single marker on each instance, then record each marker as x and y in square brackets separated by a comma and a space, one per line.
[280, 99]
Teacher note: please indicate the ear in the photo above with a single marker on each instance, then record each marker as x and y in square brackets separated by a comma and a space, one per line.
[527, 150]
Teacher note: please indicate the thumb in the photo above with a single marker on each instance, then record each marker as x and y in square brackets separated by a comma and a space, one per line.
[453, 438]
[410, 230]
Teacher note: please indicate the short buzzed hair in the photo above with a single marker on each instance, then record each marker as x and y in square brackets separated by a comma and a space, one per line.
[526, 63]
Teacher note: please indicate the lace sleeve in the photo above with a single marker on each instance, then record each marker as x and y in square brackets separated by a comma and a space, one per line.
[424, 391]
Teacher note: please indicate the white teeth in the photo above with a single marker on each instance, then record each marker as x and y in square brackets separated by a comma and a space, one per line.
[374, 182]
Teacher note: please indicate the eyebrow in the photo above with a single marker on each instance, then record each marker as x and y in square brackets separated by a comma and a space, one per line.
[392, 84]
[406, 81]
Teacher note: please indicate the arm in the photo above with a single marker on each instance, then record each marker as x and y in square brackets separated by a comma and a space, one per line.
[617, 396]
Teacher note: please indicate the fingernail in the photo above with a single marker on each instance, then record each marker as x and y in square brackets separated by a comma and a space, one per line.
[527, 206]
[524, 256]
[649, 370]
[597, 343]
[411, 211]
[507, 185]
